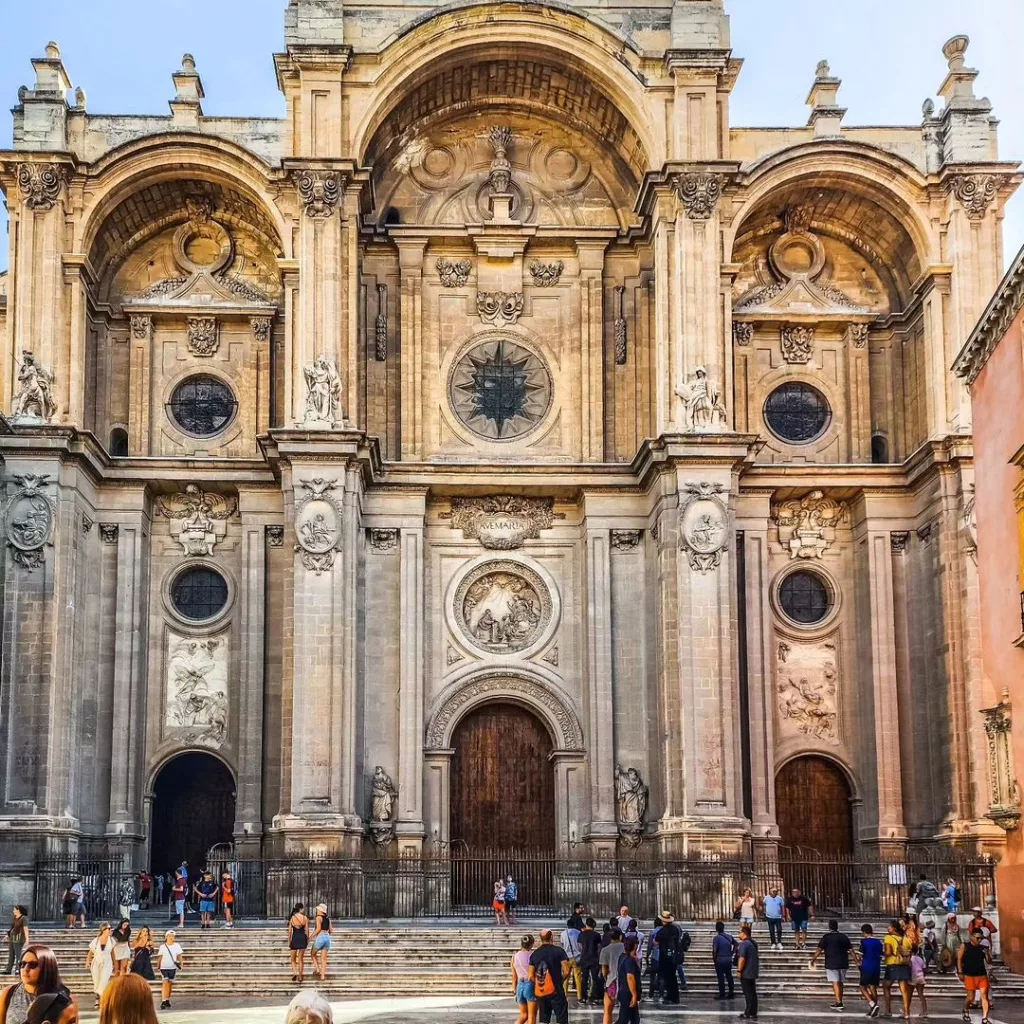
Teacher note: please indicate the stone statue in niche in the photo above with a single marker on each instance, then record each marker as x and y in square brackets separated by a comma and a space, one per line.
[323, 392]
[632, 797]
[384, 794]
[702, 403]
[34, 397]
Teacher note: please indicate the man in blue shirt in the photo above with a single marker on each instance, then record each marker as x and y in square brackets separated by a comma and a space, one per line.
[870, 958]
[511, 898]
[773, 905]
[723, 945]
[749, 967]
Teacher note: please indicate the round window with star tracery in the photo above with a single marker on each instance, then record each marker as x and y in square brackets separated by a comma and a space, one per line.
[499, 389]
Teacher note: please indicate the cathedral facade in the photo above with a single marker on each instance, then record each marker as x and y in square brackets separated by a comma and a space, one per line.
[499, 449]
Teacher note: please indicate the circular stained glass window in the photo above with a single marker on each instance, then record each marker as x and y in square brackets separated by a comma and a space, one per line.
[500, 389]
[199, 593]
[202, 406]
[805, 597]
[797, 413]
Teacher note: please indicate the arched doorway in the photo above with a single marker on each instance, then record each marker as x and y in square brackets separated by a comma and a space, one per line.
[193, 809]
[812, 804]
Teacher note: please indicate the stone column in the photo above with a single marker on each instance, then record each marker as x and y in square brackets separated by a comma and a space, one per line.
[570, 780]
[140, 397]
[410, 264]
[592, 428]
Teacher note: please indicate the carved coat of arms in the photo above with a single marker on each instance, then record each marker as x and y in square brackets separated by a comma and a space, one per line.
[317, 525]
[29, 520]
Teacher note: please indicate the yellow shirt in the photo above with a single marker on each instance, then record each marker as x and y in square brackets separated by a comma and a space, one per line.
[896, 949]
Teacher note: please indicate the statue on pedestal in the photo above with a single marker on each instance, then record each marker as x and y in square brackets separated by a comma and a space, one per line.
[632, 796]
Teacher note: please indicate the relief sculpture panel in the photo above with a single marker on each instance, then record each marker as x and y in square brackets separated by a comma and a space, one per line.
[502, 607]
[197, 688]
[807, 690]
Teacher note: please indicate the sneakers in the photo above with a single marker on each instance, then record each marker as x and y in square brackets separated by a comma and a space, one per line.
[838, 1007]
[875, 1010]
[165, 1004]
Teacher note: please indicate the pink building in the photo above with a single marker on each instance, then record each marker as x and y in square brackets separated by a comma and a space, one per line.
[992, 362]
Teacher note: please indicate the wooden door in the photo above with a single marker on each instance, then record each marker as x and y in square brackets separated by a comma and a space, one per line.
[502, 781]
[812, 804]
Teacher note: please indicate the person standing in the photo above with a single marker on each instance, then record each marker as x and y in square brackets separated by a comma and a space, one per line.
[159, 882]
[950, 896]
[723, 945]
[610, 957]
[145, 888]
[549, 967]
[321, 941]
[576, 917]
[298, 940]
[172, 960]
[122, 947]
[774, 906]
[521, 984]
[622, 921]
[870, 968]
[126, 897]
[498, 903]
[896, 953]
[127, 1000]
[669, 938]
[835, 945]
[980, 923]
[17, 937]
[917, 968]
[227, 898]
[571, 944]
[206, 890]
[178, 893]
[799, 912]
[972, 969]
[38, 975]
[511, 899]
[590, 962]
[749, 967]
[74, 899]
[628, 982]
[142, 955]
[746, 908]
[99, 961]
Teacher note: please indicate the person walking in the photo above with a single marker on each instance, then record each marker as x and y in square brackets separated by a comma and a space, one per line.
[321, 941]
[917, 969]
[498, 903]
[746, 908]
[896, 953]
[980, 923]
[628, 982]
[610, 956]
[511, 899]
[298, 940]
[799, 912]
[723, 946]
[74, 903]
[749, 967]
[870, 958]
[972, 962]
[122, 947]
[668, 939]
[172, 960]
[128, 1000]
[570, 941]
[142, 955]
[774, 906]
[99, 961]
[159, 883]
[17, 937]
[227, 899]
[952, 940]
[622, 921]
[590, 963]
[549, 967]
[206, 890]
[145, 888]
[126, 897]
[178, 893]
[835, 946]
[38, 975]
[521, 984]
[929, 944]
[53, 1008]
[950, 896]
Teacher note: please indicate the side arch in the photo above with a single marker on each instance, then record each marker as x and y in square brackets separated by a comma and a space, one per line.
[509, 686]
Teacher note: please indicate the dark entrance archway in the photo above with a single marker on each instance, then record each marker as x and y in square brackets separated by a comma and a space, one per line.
[502, 803]
[193, 809]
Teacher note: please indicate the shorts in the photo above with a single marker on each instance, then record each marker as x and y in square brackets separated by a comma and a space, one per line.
[524, 992]
[800, 926]
[322, 941]
[746, 920]
[207, 906]
[897, 972]
[498, 906]
[179, 906]
[510, 904]
[122, 951]
[976, 983]
[611, 989]
[170, 973]
[836, 977]
[870, 979]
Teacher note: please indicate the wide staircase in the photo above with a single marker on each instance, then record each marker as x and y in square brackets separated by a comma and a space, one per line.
[395, 960]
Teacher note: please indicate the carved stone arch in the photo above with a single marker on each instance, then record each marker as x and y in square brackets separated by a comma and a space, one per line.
[507, 685]
[169, 753]
[856, 790]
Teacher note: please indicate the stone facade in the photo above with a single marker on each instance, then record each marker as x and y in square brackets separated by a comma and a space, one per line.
[492, 372]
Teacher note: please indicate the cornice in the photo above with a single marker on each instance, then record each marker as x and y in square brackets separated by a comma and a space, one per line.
[993, 324]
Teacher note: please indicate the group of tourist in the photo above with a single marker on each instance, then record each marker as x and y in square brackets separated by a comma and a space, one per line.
[506, 897]
[300, 939]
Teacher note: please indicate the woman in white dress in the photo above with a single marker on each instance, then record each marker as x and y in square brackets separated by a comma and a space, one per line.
[100, 960]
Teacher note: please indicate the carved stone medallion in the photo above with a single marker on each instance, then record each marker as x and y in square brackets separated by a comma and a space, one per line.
[502, 607]
[704, 525]
[198, 518]
[503, 521]
[317, 525]
[29, 521]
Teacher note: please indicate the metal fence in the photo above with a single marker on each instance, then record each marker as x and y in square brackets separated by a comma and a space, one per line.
[460, 885]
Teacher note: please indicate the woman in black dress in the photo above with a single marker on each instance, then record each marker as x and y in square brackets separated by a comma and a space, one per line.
[142, 955]
[298, 940]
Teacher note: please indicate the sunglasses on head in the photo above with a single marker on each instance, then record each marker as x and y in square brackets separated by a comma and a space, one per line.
[29, 965]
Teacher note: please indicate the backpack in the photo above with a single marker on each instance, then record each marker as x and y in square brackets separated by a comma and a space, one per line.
[684, 942]
[543, 983]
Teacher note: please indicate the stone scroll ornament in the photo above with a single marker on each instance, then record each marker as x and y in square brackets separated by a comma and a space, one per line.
[704, 525]
[499, 308]
[197, 514]
[632, 797]
[317, 525]
[40, 185]
[704, 411]
[699, 193]
[29, 521]
[33, 401]
[323, 393]
[382, 800]
[975, 192]
[318, 192]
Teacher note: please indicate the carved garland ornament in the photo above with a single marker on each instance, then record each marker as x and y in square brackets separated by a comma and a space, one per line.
[704, 525]
[546, 274]
[699, 193]
[380, 325]
[29, 520]
[318, 191]
[40, 185]
[975, 192]
[1005, 803]
[317, 525]
[620, 327]
[452, 704]
[502, 522]
[453, 273]
[502, 607]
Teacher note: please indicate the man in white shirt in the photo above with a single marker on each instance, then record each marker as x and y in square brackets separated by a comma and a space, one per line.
[171, 961]
[570, 943]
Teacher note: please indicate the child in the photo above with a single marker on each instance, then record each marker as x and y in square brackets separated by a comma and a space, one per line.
[917, 968]
[870, 957]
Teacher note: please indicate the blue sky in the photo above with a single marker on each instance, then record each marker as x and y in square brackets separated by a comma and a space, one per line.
[888, 53]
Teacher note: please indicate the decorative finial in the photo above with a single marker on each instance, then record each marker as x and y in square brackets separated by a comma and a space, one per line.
[80, 98]
[188, 62]
[52, 51]
[822, 70]
[928, 109]
[955, 51]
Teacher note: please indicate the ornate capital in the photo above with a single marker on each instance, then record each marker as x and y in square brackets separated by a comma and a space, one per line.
[108, 533]
[546, 274]
[203, 337]
[319, 191]
[742, 333]
[261, 327]
[40, 185]
[625, 540]
[453, 273]
[499, 308]
[975, 192]
[797, 343]
[699, 193]
[383, 539]
[141, 326]
[898, 541]
[857, 335]
[275, 536]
